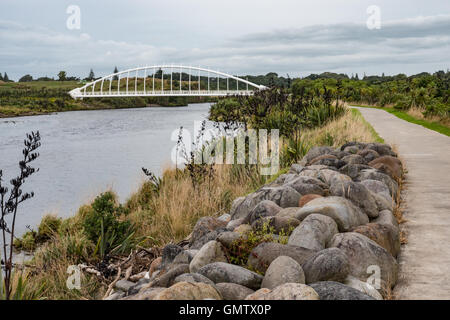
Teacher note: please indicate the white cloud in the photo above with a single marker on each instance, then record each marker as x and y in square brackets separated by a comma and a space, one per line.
[410, 46]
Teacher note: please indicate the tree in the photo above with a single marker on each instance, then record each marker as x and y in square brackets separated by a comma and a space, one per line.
[5, 77]
[1, 77]
[26, 78]
[91, 75]
[356, 77]
[62, 76]
[116, 71]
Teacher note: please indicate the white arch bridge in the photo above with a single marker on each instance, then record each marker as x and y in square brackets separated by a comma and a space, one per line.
[166, 80]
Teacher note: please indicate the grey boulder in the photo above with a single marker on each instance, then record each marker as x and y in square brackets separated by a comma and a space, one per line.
[327, 265]
[233, 291]
[315, 232]
[265, 253]
[224, 272]
[330, 290]
[341, 210]
[283, 270]
[358, 194]
[365, 256]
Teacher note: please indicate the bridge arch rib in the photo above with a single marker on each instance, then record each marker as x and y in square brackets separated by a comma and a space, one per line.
[127, 83]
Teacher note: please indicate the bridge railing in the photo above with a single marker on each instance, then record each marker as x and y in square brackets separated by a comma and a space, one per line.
[157, 83]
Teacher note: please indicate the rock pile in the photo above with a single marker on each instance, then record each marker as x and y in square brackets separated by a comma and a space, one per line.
[341, 239]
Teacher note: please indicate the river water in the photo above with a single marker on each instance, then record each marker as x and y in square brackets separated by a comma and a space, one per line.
[84, 153]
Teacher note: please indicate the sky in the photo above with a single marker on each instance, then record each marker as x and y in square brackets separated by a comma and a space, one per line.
[235, 36]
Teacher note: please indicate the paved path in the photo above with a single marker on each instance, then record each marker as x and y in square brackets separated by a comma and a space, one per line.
[425, 260]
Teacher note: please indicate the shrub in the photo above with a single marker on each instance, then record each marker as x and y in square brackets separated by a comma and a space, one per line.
[103, 225]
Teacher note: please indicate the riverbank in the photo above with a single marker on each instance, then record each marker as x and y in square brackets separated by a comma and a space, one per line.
[44, 97]
[162, 212]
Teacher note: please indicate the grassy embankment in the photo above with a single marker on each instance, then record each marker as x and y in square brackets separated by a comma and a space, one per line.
[163, 210]
[416, 116]
[41, 97]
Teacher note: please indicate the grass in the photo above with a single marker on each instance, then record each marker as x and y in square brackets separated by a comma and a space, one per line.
[168, 213]
[412, 117]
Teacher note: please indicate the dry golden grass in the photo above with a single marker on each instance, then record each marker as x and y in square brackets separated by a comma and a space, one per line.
[170, 215]
[350, 127]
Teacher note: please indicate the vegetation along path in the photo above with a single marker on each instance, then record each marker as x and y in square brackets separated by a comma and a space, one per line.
[425, 260]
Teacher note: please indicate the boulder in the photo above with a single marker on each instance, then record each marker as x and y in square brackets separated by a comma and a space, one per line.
[289, 212]
[341, 210]
[224, 272]
[358, 145]
[307, 185]
[136, 288]
[327, 265]
[185, 257]
[353, 159]
[296, 168]
[124, 285]
[228, 239]
[189, 291]
[364, 253]
[211, 252]
[358, 194]
[287, 291]
[315, 232]
[368, 155]
[322, 157]
[352, 170]
[166, 279]
[364, 287]
[374, 174]
[205, 230]
[387, 217]
[352, 149]
[169, 253]
[330, 290]
[276, 224]
[307, 198]
[233, 291]
[193, 277]
[330, 176]
[389, 165]
[241, 207]
[382, 202]
[381, 149]
[233, 224]
[263, 209]
[283, 270]
[265, 253]
[386, 236]
[377, 187]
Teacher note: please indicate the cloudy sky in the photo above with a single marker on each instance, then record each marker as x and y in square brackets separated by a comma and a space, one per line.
[234, 36]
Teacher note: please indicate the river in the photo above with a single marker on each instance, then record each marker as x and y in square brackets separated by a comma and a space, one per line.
[84, 153]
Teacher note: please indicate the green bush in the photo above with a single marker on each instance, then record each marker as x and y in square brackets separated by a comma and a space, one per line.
[102, 224]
